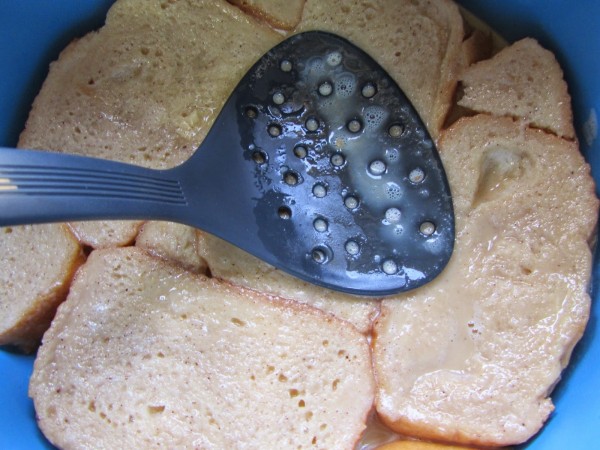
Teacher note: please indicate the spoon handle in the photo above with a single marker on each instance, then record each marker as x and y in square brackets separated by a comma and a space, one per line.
[39, 187]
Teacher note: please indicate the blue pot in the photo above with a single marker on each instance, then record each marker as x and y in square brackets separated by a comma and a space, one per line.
[33, 33]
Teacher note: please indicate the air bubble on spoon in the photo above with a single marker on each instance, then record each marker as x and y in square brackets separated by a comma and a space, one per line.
[334, 58]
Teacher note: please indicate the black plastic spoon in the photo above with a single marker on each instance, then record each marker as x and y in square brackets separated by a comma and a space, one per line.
[318, 164]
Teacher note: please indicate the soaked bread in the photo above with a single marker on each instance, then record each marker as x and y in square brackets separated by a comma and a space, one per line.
[523, 81]
[473, 356]
[236, 266]
[144, 89]
[426, 69]
[142, 354]
[470, 358]
[38, 263]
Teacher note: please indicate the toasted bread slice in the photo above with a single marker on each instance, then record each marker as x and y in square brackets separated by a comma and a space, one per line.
[236, 266]
[523, 80]
[473, 356]
[38, 263]
[419, 43]
[144, 355]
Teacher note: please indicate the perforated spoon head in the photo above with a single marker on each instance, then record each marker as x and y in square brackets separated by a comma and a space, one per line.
[344, 183]
[317, 164]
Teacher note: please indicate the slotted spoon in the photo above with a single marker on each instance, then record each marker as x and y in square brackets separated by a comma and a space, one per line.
[318, 164]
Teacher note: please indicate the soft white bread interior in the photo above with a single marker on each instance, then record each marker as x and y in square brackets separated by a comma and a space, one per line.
[473, 356]
[38, 263]
[144, 355]
[236, 266]
[523, 80]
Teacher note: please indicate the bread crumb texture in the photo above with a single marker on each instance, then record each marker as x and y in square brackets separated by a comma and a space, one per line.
[143, 355]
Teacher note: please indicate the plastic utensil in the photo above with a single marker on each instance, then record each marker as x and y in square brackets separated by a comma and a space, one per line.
[317, 164]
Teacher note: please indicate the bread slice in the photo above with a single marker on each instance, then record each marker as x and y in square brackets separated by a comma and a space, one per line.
[523, 80]
[417, 42]
[143, 355]
[473, 356]
[172, 241]
[238, 267]
[281, 14]
[145, 88]
[38, 263]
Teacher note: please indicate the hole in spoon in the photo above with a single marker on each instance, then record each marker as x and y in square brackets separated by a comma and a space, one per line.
[278, 98]
[352, 247]
[319, 190]
[325, 89]
[354, 126]
[416, 175]
[291, 178]
[427, 228]
[369, 90]
[259, 157]
[251, 112]
[274, 130]
[321, 254]
[284, 212]
[300, 151]
[337, 160]
[377, 167]
[351, 202]
[396, 130]
[320, 225]
[312, 124]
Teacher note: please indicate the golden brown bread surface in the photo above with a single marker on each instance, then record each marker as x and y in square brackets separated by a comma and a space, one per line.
[143, 355]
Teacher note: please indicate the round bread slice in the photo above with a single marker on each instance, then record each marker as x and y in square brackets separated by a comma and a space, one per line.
[38, 263]
[473, 356]
[143, 355]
